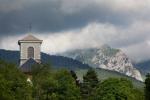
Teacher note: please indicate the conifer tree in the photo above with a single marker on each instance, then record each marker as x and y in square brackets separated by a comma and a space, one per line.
[147, 87]
[90, 82]
[73, 74]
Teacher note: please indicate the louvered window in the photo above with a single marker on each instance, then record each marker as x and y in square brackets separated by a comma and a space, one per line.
[30, 52]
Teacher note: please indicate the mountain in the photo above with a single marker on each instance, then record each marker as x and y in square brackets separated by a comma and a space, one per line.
[55, 61]
[107, 58]
[69, 63]
[143, 66]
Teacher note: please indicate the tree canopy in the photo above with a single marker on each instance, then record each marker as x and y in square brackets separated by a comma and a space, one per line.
[90, 82]
[147, 87]
[52, 84]
[13, 83]
[117, 89]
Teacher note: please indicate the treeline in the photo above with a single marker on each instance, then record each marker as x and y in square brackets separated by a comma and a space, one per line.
[49, 84]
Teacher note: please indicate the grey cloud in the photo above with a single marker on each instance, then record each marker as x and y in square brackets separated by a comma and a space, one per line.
[131, 40]
[138, 52]
[122, 24]
[53, 15]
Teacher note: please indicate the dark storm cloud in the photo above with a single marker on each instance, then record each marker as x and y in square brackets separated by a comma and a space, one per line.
[121, 24]
[53, 16]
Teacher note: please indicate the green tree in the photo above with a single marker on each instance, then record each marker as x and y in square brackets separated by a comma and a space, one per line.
[54, 84]
[90, 82]
[117, 89]
[42, 80]
[73, 74]
[67, 88]
[147, 87]
[13, 83]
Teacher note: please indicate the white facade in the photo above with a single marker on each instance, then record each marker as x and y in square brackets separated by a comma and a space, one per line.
[27, 42]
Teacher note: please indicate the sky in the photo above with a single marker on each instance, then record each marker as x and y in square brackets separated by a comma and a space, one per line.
[65, 25]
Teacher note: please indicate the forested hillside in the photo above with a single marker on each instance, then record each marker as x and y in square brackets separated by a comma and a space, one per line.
[55, 61]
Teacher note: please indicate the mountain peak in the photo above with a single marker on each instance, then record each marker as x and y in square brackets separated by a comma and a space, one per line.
[107, 58]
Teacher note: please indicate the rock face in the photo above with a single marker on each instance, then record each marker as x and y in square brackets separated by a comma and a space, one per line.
[106, 58]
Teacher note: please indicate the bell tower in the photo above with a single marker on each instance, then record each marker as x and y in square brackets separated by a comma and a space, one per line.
[30, 48]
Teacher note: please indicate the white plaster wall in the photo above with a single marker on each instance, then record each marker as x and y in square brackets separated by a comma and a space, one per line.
[24, 51]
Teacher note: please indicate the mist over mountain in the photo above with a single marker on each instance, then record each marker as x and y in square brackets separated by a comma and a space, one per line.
[82, 24]
[144, 66]
[107, 58]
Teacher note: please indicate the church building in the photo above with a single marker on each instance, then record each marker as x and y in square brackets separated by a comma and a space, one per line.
[30, 53]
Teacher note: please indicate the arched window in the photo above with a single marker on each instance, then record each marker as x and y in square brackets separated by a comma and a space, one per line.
[30, 52]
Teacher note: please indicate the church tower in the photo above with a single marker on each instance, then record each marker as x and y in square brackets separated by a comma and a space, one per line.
[30, 52]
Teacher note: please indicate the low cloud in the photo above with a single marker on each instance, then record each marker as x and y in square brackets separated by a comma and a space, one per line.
[138, 52]
[131, 39]
[78, 24]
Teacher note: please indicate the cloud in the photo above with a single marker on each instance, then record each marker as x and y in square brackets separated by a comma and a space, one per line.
[138, 52]
[131, 39]
[72, 24]
[60, 15]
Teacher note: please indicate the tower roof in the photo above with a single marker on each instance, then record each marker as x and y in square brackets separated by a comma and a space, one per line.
[27, 66]
[30, 38]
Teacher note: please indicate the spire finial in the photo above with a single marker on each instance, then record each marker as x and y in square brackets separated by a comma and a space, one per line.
[30, 27]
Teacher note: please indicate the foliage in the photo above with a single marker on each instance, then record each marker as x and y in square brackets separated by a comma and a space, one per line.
[50, 84]
[105, 74]
[67, 89]
[117, 89]
[13, 83]
[73, 74]
[90, 82]
[54, 85]
[147, 87]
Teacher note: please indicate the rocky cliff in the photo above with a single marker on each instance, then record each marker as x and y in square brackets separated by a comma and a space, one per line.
[107, 58]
